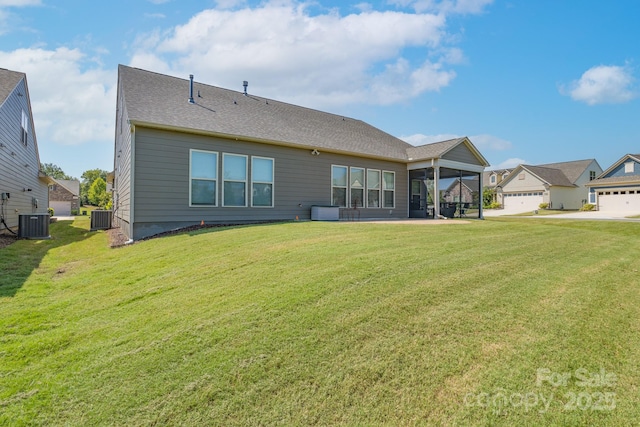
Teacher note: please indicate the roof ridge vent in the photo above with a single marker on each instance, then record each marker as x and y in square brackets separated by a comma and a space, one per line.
[191, 101]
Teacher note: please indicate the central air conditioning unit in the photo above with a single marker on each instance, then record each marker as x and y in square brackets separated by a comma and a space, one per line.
[34, 226]
[101, 220]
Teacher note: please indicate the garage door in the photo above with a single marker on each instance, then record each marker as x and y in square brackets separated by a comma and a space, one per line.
[621, 201]
[522, 202]
[60, 208]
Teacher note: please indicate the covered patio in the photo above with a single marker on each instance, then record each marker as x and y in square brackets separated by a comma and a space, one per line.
[445, 180]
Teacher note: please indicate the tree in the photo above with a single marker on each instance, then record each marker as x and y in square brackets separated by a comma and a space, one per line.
[54, 171]
[97, 193]
[487, 196]
[88, 178]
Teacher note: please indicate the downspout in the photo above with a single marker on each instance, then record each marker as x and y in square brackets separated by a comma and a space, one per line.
[132, 181]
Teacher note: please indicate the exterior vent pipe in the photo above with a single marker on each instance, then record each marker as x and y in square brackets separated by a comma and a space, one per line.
[245, 84]
[191, 101]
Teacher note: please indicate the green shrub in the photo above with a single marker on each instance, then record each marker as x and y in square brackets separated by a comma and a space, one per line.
[543, 205]
[587, 207]
[50, 210]
[495, 205]
[74, 211]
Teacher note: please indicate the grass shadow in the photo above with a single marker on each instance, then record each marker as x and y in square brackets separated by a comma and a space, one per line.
[20, 259]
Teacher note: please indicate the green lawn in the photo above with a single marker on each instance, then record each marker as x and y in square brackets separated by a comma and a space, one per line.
[498, 322]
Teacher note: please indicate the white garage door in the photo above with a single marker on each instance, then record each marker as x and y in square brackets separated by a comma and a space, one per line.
[60, 208]
[522, 202]
[621, 201]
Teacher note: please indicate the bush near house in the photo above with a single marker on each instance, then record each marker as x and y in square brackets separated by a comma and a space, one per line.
[587, 207]
[543, 205]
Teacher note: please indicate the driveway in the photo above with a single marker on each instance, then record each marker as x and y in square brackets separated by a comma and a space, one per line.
[617, 215]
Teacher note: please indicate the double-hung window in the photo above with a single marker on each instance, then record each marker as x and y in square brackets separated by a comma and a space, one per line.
[357, 187]
[388, 189]
[339, 186]
[234, 180]
[203, 167]
[261, 182]
[373, 188]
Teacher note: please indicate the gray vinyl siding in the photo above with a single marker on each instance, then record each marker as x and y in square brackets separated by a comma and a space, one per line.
[461, 153]
[19, 164]
[122, 170]
[301, 180]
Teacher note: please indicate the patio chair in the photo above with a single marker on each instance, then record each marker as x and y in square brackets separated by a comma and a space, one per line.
[463, 210]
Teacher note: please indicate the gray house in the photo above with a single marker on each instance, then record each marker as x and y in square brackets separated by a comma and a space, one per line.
[618, 187]
[23, 188]
[186, 152]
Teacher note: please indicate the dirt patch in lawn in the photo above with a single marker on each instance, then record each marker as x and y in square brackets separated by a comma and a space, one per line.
[6, 240]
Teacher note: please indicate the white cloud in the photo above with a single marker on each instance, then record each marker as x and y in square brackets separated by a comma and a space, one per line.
[490, 142]
[420, 139]
[603, 84]
[71, 106]
[509, 163]
[19, 3]
[445, 6]
[482, 142]
[229, 4]
[318, 60]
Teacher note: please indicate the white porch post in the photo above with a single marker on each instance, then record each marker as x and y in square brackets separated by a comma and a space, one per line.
[436, 191]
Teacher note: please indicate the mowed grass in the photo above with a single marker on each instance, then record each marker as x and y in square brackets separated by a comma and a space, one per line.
[325, 324]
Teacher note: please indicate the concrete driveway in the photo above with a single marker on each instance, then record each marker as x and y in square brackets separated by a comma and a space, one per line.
[615, 215]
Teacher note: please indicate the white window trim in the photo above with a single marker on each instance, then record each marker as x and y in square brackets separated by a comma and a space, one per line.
[273, 173]
[379, 189]
[246, 174]
[346, 188]
[24, 131]
[383, 190]
[363, 188]
[191, 205]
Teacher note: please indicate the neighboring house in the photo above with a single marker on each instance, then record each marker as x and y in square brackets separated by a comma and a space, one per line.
[491, 179]
[462, 190]
[64, 197]
[618, 187]
[186, 152]
[561, 185]
[23, 187]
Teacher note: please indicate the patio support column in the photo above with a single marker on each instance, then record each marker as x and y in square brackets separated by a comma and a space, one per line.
[436, 191]
[481, 197]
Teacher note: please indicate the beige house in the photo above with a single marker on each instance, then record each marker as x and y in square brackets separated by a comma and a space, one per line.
[560, 185]
[492, 178]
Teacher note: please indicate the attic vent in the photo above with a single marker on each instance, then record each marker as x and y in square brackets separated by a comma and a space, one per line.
[245, 84]
[191, 101]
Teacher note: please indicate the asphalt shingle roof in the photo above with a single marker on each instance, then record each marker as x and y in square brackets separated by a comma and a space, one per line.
[153, 98]
[432, 151]
[572, 170]
[8, 82]
[551, 176]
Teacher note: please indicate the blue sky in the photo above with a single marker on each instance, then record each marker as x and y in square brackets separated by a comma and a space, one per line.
[528, 81]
